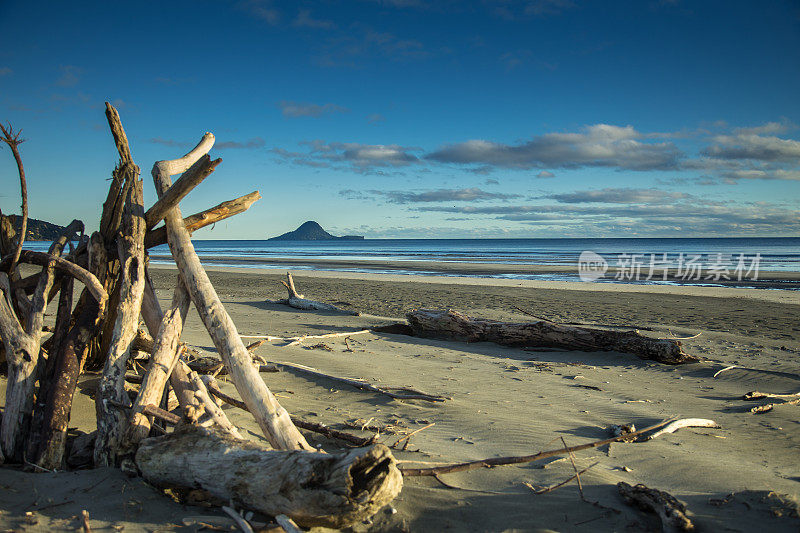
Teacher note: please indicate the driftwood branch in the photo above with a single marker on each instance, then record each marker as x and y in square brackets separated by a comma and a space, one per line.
[182, 186]
[111, 422]
[449, 324]
[298, 301]
[519, 459]
[158, 236]
[271, 417]
[672, 427]
[314, 489]
[11, 138]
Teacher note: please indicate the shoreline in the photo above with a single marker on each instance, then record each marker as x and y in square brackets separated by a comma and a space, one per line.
[446, 272]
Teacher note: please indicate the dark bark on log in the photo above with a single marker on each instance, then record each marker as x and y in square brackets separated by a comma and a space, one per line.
[69, 364]
[298, 301]
[456, 326]
[314, 489]
[158, 236]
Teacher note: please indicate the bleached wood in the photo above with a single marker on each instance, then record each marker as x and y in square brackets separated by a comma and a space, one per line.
[270, 415]
[672, 427]
[111, 421]
[164, 357]
[298, 301]
[182, 186]
[670, 511]
[211, 407]
[332, 490]
[158, 236]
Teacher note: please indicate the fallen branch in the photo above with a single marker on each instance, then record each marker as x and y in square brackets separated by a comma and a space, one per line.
[539, 492]
[519, 459]
[11, 138]
[298, 301]
[672, 427]
[452, 325]
[332, 490]
[670, 511]
[409, 394]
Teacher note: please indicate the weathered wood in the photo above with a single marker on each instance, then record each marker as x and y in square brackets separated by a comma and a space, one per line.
[298, 301]
[13, 141]
[158, 236]
[111, 421]
[68, 267]
[69, 362]
[182, 186]
[333, 490]
[453, 325]
[165, 354]
[21, 351]
[670, 511]
[270, 415]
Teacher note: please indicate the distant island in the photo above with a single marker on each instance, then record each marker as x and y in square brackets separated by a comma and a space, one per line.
[38, 230]
[311, 231]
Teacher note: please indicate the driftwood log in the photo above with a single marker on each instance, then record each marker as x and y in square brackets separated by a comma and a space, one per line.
[670, 511]
[452, 325]
[333, 490]
[298, 301]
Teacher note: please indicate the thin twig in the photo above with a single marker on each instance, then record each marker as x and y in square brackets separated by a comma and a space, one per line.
[240, 521]
[401, 439]
[539, 492]
[731, 367]
[577, 474]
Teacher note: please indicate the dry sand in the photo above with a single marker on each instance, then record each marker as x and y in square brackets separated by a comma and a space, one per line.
[742, 477]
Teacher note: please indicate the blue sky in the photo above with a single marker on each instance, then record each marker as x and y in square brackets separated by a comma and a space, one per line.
[404, 118]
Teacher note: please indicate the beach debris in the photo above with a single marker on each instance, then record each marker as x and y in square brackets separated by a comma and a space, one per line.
[520, 459]
[397, 393]
[333, 490]
[670, 511]
[538, 491]
[100, 333]
[407, 438]
[621, 430]
[452, 325]
[289, 525]
[320, 346]
[786, 399]
[298, 301]
[240, 521]
[674, 426]
[718, 372]
[294, 341]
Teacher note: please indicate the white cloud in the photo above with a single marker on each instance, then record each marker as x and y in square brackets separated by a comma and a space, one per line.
[297, 109]
[600, 145]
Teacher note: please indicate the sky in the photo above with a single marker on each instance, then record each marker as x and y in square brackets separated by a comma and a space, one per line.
[413, 119]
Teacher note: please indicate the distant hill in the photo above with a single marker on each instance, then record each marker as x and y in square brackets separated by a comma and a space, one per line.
[38, 230]
[311, 231]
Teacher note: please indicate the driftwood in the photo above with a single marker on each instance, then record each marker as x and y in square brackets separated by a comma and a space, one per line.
[165, 355]
[403, 393]
[314, 489]
[271, 417]
[11, 138]
[670, 511]
[674, 426]
[298, 301]
[158, 236]
[785, 399]
[520, 459]
[456, 326]
[111, 421]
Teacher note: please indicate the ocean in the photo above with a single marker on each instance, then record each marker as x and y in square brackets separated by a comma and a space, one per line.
[707, 256]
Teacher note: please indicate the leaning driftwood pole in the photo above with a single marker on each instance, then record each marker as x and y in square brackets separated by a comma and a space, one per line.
[270, 415]
[333, 490]
[111, 422]
[453, 325]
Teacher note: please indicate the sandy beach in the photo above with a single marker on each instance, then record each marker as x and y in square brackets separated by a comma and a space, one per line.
[742, 476]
